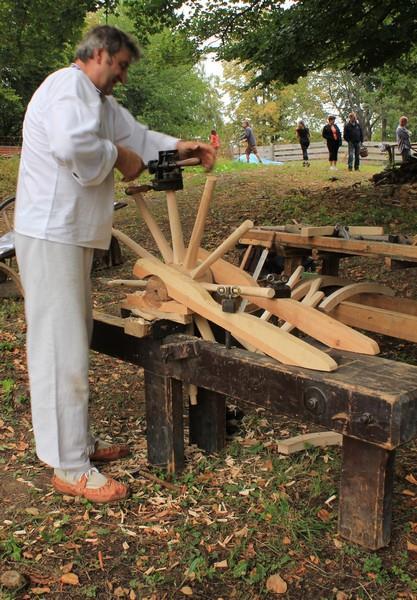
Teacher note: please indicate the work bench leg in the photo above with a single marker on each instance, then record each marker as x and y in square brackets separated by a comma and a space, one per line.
[208, 421]
[366, 487]
[330, 265]
[164, 421]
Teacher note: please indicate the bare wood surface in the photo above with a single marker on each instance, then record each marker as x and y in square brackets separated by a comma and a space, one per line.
[295, 277]
[309, 300]
[224, 247]
[154, 229]
[305, 318]
[176, 228]
[154, 314]
[190, 260]
[264, 336]
[379, 320]
[301, 442]
[348, 291]
[330, 244]
[245, 257]
[204, 328]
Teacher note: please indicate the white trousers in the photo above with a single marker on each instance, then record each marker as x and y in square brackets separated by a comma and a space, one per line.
[56, 281]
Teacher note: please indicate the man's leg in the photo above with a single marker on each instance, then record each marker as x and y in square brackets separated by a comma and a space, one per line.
[351, 149]
[56, 281]
[58, 313]
[357, 155]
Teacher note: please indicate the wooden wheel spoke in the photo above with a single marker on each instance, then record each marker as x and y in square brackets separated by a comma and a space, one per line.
[154, 229]
[176, 228]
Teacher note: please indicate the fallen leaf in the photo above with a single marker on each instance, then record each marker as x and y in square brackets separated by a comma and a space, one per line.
[221, 565]
[70, 579]
[286, 541]
[39, 591]
[323, 515]
[67, 568]
[411, 547]
[411, 479]
[408, 493]
[186, 590]
[276, 584]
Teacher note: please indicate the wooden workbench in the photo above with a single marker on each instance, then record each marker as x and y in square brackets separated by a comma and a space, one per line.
[371, 401]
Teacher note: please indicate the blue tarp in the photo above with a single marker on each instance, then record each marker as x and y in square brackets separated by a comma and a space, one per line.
[254, 160]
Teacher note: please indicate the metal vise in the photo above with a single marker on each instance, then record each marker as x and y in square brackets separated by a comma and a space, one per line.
[168, 173]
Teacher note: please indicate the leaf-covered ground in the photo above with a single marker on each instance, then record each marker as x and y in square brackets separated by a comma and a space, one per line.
[247, 523]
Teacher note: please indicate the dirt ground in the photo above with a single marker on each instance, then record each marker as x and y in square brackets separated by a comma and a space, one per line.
[234, 524]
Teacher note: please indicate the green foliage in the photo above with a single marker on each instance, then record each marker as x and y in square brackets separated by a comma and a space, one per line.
[167, 91]
[283, 42]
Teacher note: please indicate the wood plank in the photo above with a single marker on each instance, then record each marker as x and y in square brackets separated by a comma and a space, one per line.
[347, 291]
[152, 314]
[305, 318]
[379, 320]
[301, 442]
[310, 231]
[137, 326]
[269, 339]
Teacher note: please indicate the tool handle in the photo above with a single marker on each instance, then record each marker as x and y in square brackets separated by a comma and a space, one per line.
[188, 162]
[137, 189]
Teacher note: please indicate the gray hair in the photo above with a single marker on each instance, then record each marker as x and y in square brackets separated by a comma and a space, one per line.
[108, 38]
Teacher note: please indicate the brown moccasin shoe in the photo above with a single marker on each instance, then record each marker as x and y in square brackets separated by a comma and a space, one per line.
[111, 491]
[110, 453]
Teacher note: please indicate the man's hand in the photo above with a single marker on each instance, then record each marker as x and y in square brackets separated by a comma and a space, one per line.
[204, 152]
[128, 163]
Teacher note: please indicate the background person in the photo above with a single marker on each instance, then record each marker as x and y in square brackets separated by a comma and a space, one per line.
[250, 142]
[333, 137]
[74, 135]
[215, 140]
[303, 134]
[403, 139]
[352, 134]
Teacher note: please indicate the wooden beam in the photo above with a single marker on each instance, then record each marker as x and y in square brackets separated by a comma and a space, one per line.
[391, 323]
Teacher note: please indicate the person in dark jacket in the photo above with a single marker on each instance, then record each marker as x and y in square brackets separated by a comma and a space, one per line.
[333, 137]
[352, 134]
[303, 134]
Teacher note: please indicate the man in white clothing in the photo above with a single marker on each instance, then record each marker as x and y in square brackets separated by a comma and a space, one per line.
[74, 135]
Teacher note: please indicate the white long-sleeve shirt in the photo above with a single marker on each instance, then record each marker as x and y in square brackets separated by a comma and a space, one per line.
[65, 187]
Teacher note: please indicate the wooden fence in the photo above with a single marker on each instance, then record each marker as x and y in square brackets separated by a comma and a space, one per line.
[316, 151]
